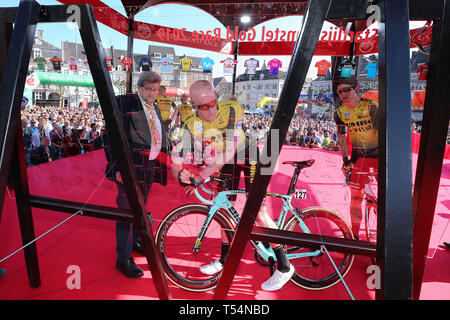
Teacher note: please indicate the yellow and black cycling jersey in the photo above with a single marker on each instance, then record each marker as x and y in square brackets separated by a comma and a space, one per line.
[361, 123]
[185, 110]
[164, 104]
[225, 128]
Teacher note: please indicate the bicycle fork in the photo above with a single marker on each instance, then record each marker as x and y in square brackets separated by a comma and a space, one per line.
[205, 226]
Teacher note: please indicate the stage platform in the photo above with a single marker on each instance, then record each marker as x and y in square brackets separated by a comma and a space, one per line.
[89, 243]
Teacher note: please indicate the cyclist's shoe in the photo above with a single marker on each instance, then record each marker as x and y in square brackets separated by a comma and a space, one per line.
[278, 280]
[212, 268]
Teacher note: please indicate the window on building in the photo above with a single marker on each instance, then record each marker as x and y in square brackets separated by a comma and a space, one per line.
[157, 55]
[274, 86]
[37, 53]
[170, 56]
[192, 76]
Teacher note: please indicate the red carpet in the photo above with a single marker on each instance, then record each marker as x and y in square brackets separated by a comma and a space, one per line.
[90, 243]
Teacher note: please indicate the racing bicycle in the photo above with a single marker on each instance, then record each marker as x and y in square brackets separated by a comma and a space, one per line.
[370, 204]
[190, 236]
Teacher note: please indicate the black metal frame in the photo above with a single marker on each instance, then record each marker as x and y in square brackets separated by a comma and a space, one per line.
[395, 232]
[435, 120]
[26, 16]
[394, 252]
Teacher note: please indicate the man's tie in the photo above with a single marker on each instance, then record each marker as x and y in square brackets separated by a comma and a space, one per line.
[156, 137]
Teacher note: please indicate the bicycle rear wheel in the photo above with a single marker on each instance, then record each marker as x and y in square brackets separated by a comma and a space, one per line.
[317, 273]
[176, 237]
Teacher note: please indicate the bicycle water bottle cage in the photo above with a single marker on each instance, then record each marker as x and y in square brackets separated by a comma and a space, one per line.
[300, 164]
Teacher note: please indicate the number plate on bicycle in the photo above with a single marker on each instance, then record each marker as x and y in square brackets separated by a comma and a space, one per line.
[300, 194]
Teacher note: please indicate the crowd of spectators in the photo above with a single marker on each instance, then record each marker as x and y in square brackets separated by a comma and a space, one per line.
[51, 132]
[314, 131]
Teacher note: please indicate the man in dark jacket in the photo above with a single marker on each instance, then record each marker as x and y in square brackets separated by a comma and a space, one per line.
[45, 152]
[147, 137]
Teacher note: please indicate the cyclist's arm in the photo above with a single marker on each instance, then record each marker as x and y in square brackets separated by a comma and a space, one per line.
[373, 111]
[175, 112]
[221, 158]
[342, 136]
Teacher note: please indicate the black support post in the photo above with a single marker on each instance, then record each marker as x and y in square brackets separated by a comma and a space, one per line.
[130, 53]
[301, 59]
[13, 83]
[22, 194]
[394, 234]
[435, 120]
[119, 145]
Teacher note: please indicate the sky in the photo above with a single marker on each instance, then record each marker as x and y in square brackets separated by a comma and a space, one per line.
[176, 16]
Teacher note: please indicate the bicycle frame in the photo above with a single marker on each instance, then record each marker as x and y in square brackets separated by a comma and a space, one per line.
[221, 202]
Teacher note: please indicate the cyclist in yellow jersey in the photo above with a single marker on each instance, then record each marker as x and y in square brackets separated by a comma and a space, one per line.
[184, 110]
[357, 117]
[165, 104]
[216, 131]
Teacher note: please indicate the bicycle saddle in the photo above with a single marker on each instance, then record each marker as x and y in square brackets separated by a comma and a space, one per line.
[300, 164]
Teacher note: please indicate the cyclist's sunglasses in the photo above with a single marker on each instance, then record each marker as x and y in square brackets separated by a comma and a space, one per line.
[347, 89]
[207, 106]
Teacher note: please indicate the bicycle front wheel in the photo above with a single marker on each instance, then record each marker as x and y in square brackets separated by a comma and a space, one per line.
[317, 272]
[176, 237]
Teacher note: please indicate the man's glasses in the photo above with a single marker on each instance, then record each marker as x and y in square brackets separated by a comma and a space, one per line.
[348, 89]
[207, 106]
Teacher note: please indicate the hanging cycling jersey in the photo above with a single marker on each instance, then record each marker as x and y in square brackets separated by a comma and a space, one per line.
[274, 66]
[228, 65]
[207, 64]
[347, 69]
[372, 69]
[109, 63]
[251, 65]
[186, 64]
[361, 123]
[423, 69]
[126, 63]
[166, 64]
[56, 62]
[40, 63]
[145, 63]
[322, 67]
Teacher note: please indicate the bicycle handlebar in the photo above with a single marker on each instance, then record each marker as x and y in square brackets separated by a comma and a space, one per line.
[198, 183]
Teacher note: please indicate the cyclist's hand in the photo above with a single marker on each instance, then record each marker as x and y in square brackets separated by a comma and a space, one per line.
[119, 177]
[185, 176]
[346, 168]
